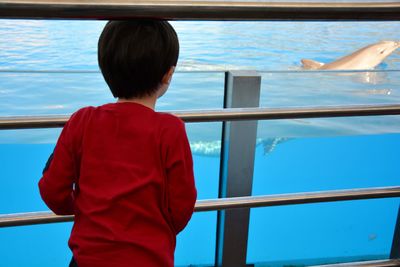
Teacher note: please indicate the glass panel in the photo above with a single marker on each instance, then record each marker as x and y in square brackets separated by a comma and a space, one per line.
[314, 164]
[312, 234]
[38, 245]
[327, 88]
[38, 93]
[306, 155]
[31, 93]
[22, 164]
[196, 244]
[194, 90]
[23, 154]
[353, 151]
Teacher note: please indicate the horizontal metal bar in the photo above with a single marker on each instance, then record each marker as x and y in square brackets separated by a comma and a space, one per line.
[231, 114]
[66, 71]
[297, 198]
[378, 263]
[31, 218]
[198, 10]
[261, 71]
[27, 122]
[291, 113]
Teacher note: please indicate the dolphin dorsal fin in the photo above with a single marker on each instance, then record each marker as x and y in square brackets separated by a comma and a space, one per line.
[311, 64]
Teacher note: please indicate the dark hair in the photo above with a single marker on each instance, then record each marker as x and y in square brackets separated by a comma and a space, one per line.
[135, 55]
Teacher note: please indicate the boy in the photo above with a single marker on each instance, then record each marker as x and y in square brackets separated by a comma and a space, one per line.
[124, 170]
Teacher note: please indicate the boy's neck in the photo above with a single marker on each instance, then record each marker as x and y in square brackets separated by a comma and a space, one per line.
[148, 101]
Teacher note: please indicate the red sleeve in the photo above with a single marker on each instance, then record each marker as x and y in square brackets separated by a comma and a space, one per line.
[180, 179]
[57, 184]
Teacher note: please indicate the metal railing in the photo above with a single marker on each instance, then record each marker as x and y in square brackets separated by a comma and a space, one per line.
[216, 10]
[231, 114]
[198, 10]
[30, 218]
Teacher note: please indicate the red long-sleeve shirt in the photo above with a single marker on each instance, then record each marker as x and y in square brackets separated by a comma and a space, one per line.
[126, 173]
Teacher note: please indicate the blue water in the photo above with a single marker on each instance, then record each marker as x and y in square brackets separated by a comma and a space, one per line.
[291, 155]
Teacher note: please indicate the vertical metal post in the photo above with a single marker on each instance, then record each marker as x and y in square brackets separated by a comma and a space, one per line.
[242, 89]
[395, 252]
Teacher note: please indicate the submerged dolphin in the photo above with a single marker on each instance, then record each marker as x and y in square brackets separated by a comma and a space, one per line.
[365, 58]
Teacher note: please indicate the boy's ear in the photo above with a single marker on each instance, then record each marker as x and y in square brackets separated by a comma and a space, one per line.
[168, 76]
[166, 79]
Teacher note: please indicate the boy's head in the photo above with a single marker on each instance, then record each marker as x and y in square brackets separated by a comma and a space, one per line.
[134, 56]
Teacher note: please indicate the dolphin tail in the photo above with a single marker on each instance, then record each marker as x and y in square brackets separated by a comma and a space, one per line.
[309, 64]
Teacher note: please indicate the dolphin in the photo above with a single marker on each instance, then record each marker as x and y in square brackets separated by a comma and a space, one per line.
[365, 58]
